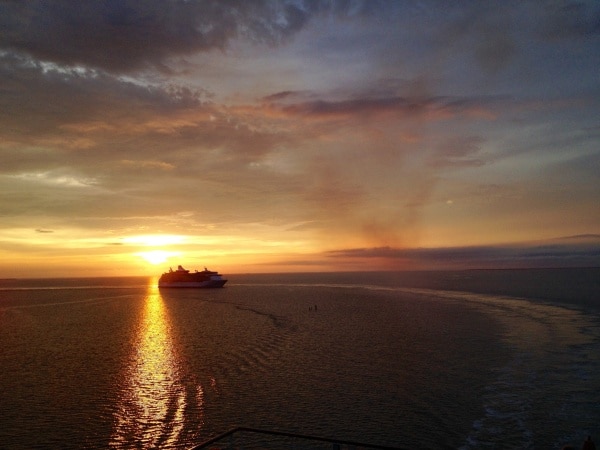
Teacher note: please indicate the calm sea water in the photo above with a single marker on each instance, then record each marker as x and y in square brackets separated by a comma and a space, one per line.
[470, 359]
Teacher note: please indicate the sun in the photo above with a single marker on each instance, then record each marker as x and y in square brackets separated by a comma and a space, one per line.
[156, 256]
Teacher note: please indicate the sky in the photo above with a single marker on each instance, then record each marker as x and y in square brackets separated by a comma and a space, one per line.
[282, 136]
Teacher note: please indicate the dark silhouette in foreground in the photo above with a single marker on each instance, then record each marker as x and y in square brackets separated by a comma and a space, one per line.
[588, 444]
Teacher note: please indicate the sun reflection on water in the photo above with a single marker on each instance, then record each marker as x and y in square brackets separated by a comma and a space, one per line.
[153, 402]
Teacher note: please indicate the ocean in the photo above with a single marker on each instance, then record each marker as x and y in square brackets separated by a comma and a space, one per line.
[460, 360]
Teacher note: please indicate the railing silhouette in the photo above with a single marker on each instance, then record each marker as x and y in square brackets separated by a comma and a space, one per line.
[231, 440]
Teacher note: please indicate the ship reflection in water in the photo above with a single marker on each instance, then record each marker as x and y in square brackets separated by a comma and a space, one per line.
[151, 410]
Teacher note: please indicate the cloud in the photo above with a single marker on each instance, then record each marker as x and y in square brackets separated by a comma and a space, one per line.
[120, 114]
[130, 135]
[365, 107]
[88, 120]
[126, 35]
[574, 251]
[582, 238]
[40, 99]
[458, 152]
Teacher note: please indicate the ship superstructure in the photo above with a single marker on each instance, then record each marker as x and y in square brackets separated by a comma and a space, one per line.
[183, 278]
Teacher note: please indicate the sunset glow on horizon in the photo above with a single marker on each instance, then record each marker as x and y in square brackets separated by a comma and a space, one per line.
[298, 136]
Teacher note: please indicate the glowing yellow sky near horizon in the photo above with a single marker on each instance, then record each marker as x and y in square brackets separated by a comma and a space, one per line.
[150, 255]
[72, 252]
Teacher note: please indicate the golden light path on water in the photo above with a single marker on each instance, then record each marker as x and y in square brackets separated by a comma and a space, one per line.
[153, 400]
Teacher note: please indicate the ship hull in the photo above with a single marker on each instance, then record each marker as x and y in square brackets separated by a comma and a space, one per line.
[209, 284]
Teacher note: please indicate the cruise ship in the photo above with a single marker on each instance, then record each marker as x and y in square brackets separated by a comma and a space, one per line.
[183, 278]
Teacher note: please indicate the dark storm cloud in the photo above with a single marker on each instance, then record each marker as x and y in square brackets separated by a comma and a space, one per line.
[124, 35]
[437, 106]
[581, 250]
[323, 108]
[281, 96]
